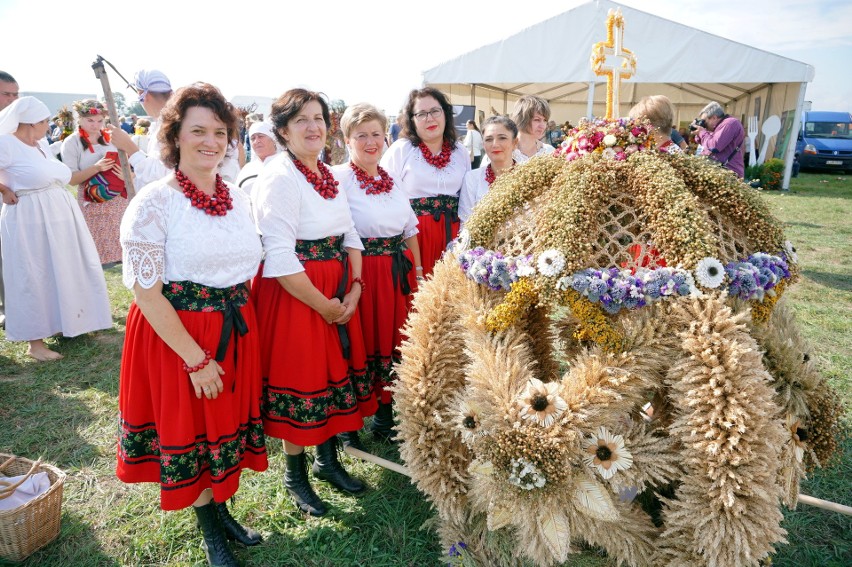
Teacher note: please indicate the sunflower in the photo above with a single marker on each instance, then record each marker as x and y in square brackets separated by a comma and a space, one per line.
[606, 453]
[541, 403]
[799, 435]
[710, 272]
[551, 262]
[468, 422]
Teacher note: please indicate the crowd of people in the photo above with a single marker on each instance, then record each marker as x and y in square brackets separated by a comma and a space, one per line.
[269, 300]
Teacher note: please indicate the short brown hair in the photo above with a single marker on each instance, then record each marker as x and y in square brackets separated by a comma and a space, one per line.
[410, 131]
[526, 108]
[360, 113]
[659, 111]
[204, 95]
[290, 104]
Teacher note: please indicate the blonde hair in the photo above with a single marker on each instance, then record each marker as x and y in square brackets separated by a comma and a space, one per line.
[526, 108]
[658, 109]
[360, 113]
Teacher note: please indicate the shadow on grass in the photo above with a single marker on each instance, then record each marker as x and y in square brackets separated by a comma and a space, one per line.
[836, 281]
[804, 224]
[76, 545]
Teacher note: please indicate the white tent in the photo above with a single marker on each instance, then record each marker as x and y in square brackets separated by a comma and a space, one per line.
[691, 67]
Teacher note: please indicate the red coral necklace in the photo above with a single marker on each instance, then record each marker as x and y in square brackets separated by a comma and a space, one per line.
[370, 184]
[324, 184]
[439, 161]
[216, 205]
[490, 176]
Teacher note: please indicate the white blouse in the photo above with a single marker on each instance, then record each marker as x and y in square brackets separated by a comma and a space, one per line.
[385, 214]
[147, 164]
[521, 157]
[163, 237]
[250, 172]
[26, 167]
[475, 187]
[404, 162]
[287, 208]
[78, 158]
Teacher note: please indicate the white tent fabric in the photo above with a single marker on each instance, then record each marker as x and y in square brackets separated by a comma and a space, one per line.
[688, 65]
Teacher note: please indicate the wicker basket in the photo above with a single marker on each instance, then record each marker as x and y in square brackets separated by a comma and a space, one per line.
[30, 527]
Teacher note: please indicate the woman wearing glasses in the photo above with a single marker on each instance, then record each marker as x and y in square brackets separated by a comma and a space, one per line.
[430, 164]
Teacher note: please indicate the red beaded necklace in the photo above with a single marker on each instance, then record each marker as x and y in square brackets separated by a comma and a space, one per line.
[490, 176]
[324, 184]
[439, 161]
[370, 184]
[216, 205]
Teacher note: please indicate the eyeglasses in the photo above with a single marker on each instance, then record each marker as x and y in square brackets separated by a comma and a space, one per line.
[434, 114]
[8, 93]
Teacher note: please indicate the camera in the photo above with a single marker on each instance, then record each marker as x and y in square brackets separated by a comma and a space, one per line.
[698, 122]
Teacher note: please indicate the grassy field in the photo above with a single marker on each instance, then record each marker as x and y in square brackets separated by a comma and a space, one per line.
[66, 412]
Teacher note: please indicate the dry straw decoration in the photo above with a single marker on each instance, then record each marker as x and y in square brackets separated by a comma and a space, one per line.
[521, 412]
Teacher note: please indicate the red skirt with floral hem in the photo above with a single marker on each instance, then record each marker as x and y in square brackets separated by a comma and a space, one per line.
[432, 240]
[311, 392]
[383, 309]
[167, 434]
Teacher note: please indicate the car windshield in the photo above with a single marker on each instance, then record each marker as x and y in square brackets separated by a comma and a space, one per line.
[828, 130]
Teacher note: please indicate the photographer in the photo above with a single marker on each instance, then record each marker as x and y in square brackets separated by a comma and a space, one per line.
[721, 137]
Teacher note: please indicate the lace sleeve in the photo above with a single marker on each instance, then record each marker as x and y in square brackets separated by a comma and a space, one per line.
[143, 237]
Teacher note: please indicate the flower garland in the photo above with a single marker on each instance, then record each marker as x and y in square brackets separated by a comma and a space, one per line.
[371, 185]
[325, 184]
[755, 278]
[89, 107]
[439, 161]
[593, 325]
[520, 298]
[216, 205]
[614, 139]
[493, 269]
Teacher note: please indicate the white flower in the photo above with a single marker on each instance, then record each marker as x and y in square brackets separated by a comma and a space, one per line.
[606, 453]
[710, 272]
[609, 140]
[525, 475]
[608, 153]
[541, 403]
[551, 262]
[791, 252]
[463, 241]
[564, 283]
[468, 423]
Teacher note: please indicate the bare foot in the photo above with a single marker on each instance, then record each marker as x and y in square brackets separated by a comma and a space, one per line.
[39, 351]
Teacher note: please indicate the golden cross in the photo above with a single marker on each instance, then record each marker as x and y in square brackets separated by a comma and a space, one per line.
[613, 46]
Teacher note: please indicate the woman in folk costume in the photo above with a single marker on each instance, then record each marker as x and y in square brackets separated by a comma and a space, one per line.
[429, 164]
[531, 114]
[84, 152]
[307, 297]
[387, 226]
[52, 274]
[190, 390]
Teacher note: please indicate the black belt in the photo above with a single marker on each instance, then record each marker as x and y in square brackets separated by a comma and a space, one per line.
[446, 205]
[191, 296]
[395, 247]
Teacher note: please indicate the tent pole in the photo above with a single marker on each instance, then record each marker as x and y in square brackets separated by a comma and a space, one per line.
[794, 136]
[590, 104]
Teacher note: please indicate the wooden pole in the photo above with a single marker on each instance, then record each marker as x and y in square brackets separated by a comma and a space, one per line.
[100, 73]
[370, 458]
[825, 504]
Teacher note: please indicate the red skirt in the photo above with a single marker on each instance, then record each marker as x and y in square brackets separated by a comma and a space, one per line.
[432, 240]
[310, 391]
[170, 436]
[383, 309]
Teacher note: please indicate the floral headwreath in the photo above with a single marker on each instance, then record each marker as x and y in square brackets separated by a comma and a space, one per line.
[89, 107]
[614, 139]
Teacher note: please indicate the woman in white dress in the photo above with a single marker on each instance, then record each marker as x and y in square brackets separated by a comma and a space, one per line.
[85, 153]
[473, 143]
[263, 149]
[500, 140]
[531, 114]
[387, 226]
[52, 274]
[429, 163]
[190, 387]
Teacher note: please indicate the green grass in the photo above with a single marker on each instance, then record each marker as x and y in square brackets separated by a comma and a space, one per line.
[66, 412]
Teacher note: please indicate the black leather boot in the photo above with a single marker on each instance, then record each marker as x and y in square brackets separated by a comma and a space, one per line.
[328, 468]
[233, 529]
[351, 439]
[299, 486]
[215, 544]
[382, 426]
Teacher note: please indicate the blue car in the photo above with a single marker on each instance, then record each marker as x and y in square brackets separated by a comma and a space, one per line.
[825, 141]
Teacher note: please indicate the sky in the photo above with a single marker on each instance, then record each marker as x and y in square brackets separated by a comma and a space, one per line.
[372, 51]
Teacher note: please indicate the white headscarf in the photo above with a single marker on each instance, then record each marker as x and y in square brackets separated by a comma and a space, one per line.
[265, 128]
[25, 110]
[151, 80]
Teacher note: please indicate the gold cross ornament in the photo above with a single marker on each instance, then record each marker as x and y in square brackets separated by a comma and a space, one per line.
[613, 46]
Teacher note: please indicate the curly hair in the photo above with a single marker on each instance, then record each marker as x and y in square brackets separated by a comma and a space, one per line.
[290, 104]
[409, 130]
[204, 95]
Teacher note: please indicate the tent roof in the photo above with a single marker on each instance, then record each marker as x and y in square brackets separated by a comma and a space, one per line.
[701, 64]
